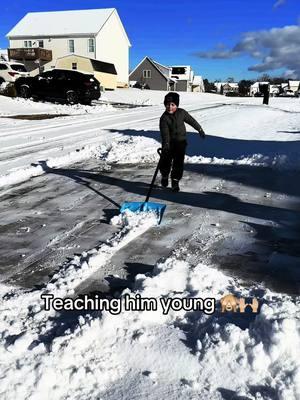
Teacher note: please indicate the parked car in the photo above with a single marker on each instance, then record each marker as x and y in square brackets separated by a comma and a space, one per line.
[11, 71]
[288, 93]
[232, 94]
[60, 84]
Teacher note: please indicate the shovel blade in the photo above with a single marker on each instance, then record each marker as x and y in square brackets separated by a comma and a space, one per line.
[136, 206]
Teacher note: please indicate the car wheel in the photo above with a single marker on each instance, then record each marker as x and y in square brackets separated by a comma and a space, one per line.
[72, 97]
[24, 91]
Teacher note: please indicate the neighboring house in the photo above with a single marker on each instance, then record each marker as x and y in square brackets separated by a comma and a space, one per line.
[184, 76]
[198, 84]
[153, 75]
[104, 72]
[39, 39]
[275, 89]
[226, 87]
[294, 86]
[255, 87]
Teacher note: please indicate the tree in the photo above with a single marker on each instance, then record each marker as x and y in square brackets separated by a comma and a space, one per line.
[244, 87]
[230, 80]
[209, 86]
[264, 78]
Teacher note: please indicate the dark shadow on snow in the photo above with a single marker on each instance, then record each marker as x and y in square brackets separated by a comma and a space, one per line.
[255, 267]
[220, 147]
[77, 178]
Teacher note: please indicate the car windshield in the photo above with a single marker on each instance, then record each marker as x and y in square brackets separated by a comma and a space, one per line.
[18, 67]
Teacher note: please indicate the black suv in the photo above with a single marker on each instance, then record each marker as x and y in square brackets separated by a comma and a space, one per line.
[60, 84]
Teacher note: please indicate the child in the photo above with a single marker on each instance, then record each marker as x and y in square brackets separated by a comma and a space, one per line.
[173, 137]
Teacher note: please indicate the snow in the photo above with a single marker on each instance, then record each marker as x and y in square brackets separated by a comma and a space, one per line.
[178, 348]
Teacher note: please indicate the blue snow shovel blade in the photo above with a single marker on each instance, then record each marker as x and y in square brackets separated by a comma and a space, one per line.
[136, 206]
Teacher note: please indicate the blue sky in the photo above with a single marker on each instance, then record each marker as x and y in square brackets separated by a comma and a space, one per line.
[211, 35]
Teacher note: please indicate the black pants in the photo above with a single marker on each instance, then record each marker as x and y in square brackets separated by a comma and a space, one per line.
[173, 159]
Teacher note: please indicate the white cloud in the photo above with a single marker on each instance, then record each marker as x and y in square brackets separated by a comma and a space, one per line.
[275, 48]
[279, 3]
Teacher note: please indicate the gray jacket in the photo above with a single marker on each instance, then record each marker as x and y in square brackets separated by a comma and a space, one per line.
[172, 126]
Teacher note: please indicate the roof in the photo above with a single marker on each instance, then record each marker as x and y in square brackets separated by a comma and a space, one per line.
[256, 84]
[102, 66]
[57, 23]
[99, 66]
[294, 83]
[162, 69]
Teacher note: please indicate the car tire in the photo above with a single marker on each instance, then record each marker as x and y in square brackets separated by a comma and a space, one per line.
[24, 91]
[1, 81]
[72, 97]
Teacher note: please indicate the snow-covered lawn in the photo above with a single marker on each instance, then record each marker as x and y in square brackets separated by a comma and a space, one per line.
[170, 352]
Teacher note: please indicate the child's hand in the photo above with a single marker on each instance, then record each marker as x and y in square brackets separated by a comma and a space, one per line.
[202, 134]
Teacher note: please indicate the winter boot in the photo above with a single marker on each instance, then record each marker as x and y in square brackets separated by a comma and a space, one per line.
[175, 185]
[164, 181]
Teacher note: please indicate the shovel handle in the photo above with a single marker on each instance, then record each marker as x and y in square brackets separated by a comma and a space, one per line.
[154, 176]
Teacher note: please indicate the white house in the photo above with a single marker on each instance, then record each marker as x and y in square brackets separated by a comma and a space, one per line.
[183, 76]
[225, 87]
[255, 87]
[198, 84]
[294, 86]
[40, 38]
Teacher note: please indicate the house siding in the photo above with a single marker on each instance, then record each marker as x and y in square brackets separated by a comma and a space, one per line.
[112, 46]
[156, 82]
[59, 47]
[181, 86]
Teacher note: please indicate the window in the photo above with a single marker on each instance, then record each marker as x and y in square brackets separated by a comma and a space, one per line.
[146, 73]
[74, 65]
[91, 45]
[27, 43]
[18, 67]
[178, 70]
[41, 44]
[3, 66]
[71, 46]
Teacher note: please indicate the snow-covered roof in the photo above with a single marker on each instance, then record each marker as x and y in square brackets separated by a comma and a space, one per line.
[256, 84]
[55, 23]
[294, 82]
[230, 84]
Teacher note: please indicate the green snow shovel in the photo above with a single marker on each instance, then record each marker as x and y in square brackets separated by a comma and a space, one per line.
[137, 207]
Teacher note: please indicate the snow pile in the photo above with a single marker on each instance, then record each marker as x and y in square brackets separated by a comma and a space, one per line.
[132, 150]
[280, 162]
[39, 168]
[19, 106]
[188, 354]
[131, 220]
